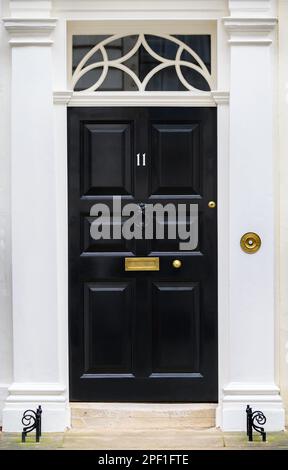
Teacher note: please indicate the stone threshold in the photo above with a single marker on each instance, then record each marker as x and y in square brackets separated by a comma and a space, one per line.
[143, 415]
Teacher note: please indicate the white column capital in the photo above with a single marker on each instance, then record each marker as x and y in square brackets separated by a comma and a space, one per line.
[250, 31]
[30, 8]
[62, 97]
[220, 96]
[30, 31]
[250, 8]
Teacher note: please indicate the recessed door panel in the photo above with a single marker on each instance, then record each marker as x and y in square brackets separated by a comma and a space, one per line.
[101, 245]
[175, 155]
[107, 152]
[108, 327]
[176, 327]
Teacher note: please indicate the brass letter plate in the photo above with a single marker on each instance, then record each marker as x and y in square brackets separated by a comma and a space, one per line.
[142, 264]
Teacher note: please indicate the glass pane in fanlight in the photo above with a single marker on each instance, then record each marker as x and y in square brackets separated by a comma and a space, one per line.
[142, 62]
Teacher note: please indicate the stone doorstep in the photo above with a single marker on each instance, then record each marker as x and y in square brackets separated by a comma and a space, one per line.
[142, 416]
[109, 423]
[143, 410]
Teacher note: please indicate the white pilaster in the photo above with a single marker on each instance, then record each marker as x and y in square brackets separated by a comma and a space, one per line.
[251, 375]
[283, 152]
[38, 375]
[252, 8]
[5, 226]
[30, 8]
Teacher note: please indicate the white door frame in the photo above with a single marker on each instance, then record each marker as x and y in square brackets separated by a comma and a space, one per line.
[247, 284]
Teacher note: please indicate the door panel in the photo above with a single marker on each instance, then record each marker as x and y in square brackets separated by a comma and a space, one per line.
[111, 172]
[108, 327]
[142, 336]
[90, 245]
[175, 158]
[175, 328]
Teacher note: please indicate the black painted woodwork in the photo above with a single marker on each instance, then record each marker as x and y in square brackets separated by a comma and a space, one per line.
[142, 336]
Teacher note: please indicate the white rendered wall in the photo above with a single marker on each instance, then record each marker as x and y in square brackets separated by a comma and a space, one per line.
[5, 220]
[247, 197]
[253, 198]
[283, 152]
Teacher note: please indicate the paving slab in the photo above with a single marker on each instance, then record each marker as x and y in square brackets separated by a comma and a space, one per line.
[145, 439]
[48, 441]
[153, 439]
[238, 440]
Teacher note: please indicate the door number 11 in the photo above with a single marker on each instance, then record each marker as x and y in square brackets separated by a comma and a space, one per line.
[143, 159]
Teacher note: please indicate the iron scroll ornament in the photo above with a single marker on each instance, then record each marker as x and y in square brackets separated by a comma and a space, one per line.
[254, 417]
[32, 420]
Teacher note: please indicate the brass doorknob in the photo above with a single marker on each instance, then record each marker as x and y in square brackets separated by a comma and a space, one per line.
[177, 263]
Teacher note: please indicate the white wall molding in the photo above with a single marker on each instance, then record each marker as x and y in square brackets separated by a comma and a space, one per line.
[30, 8]
[250, 31]
[140, 5]
[41, 389]
[30, 31]
[220, 96]
[62, 97]
[51, 396]
[213, 98]
[251, 8]
[140, 99]
[3, 395]
[264, 396]
[238, 388]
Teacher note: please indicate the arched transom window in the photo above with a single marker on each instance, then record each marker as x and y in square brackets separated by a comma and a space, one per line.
[141, 62]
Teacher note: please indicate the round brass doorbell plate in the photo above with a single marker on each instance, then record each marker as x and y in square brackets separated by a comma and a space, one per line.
[250, 242]
[211, 204]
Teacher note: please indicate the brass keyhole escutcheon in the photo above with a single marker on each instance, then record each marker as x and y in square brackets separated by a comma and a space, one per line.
[211, 204]
[177, 263]
[250, 242]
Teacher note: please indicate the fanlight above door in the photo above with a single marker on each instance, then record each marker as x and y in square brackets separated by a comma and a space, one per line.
[141, 63]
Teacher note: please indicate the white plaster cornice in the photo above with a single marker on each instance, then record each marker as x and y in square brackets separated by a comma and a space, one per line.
[234, 390]
[214, 98]
[43, 392]
[62, 97]
[248, 31]
[220, 96]
[30, 8]
[140, 5]
[30, 31]
[134, 99]
[250, 8]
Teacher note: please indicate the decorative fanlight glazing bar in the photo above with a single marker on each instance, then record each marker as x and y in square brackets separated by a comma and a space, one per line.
[182, 58]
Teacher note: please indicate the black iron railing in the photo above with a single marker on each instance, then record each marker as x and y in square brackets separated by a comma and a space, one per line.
[32, 420]
[255, 420]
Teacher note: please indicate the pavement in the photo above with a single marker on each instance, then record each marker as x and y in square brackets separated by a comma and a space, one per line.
[154, 437]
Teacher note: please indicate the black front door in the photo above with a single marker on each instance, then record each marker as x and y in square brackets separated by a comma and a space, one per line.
[143, 336]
